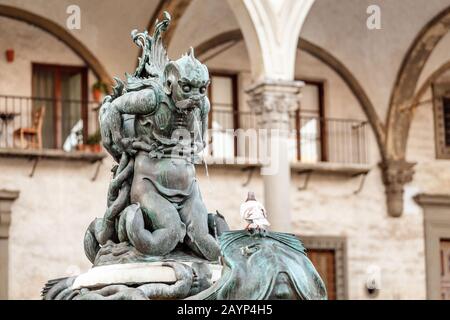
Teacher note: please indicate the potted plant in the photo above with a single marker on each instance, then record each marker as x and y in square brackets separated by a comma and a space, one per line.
[93, 142]
[98, 89]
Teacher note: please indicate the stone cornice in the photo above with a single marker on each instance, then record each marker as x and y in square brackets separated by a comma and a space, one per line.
[52, 154]
[425, 199]
[8, 195]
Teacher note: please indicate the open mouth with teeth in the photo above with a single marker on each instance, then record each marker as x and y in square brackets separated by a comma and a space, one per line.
[188, 104]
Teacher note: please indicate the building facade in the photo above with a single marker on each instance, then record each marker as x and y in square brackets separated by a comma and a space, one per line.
[361, 89]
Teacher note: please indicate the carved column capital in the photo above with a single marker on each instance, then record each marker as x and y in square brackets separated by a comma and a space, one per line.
[395, 174]
[6, 200]
[273, 100]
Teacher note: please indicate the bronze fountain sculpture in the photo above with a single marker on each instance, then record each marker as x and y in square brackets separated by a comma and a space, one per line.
[154, 126]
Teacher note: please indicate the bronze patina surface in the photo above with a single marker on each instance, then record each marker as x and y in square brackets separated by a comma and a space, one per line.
[154, 126]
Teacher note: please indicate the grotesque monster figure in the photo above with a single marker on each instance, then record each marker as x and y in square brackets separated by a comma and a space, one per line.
[154, 126]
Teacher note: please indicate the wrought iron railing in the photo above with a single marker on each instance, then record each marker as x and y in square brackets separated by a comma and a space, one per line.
[334, 140]
[69, 124]
[312, 139]
[65, 124]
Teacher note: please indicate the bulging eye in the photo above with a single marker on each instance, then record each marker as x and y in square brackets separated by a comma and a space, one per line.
[186, 88]
[202, 90]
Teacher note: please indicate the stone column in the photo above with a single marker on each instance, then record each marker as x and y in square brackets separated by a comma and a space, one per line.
[6, 200]
[395, 174]
[271, 101]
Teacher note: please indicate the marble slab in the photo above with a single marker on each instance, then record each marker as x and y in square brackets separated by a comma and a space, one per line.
[133, 273]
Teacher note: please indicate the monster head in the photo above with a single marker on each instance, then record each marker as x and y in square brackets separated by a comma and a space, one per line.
[186, 80]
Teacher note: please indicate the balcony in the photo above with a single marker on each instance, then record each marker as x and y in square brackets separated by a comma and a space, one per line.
[49, 128]
[328, 145]
[69, 129]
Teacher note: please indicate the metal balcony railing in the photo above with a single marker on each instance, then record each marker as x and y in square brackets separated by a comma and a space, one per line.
[65, 124]
[69, 124]
[312, 139]
[333, 140]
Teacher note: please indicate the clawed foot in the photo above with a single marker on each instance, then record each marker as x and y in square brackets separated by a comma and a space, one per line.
[182, 271]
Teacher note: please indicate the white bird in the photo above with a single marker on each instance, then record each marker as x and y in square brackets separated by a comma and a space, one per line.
[254, 213]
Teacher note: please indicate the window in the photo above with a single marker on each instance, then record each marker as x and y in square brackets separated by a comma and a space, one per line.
[223, 117]
[441, 105]
[62, 90]
[446, 120]
[309, 139]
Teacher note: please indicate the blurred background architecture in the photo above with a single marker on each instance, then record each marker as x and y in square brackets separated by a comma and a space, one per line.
[364, 175]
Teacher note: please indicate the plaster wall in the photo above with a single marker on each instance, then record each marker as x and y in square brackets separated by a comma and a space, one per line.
[366, 52]
[105, 26]
[30, 44]
[54, 207]
[49, 219]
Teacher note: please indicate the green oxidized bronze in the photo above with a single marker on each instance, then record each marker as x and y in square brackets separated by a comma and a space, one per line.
[154, 126]
[264, 266]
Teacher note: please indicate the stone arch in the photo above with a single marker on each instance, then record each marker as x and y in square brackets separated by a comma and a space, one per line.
[324, 56]
[271, 30]
[264, 41]
[403, 93]
[62, 34]
[218, 40]
[353, 84]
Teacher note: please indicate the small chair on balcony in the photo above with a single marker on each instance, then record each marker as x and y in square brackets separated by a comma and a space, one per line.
[31, 137]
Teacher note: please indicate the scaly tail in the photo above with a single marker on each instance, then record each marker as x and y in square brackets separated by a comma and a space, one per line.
[103, 229]
[91, 245]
